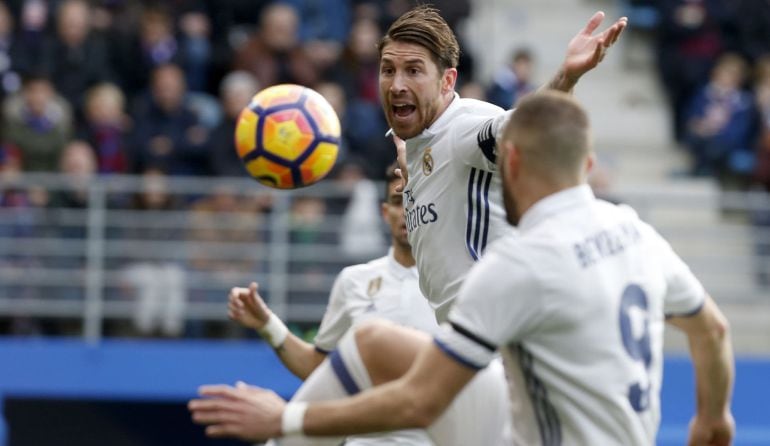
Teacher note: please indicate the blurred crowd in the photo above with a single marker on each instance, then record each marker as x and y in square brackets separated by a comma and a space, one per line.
[714, 62]
[154, 88]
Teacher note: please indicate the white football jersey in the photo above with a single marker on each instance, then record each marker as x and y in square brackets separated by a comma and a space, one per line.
[381, 288]
[576, 303]
[453, 200]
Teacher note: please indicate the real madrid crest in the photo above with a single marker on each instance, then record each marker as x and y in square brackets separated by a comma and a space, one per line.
[427, 162]
[374, 286]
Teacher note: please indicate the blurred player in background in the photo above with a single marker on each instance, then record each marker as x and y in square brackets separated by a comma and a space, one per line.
[386, 288]
[452, 202]
[575, 301]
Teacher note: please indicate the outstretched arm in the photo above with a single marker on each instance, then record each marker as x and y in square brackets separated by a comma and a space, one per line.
[585, 51]
[712, 356]
[414, 400]
[246, 306]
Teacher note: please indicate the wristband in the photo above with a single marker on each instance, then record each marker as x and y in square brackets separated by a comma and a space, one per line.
[293, 418]
[274, 332]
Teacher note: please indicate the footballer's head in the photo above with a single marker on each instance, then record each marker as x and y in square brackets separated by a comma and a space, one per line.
[393, 208]
[418, 70]
[548, 142]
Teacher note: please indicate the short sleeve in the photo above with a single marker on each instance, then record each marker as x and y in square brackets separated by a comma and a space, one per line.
[494, 307]
[336, 320]
[477, 138]
[685, 294]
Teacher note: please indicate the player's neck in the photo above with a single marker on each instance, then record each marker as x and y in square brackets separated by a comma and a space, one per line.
[403, 256]
[535, 191]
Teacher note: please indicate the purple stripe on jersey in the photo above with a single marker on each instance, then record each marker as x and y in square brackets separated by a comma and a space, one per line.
[469, 224]
[343, 374]
[454, 355]
[548, 421]
[486, 212]
[476, 235]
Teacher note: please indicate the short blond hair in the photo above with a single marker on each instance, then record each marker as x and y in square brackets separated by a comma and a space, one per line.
[551, 132]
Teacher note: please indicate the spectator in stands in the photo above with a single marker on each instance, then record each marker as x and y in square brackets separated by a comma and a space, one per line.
[159, 283]
[30, 37]
[691, 35]
[39, 122]
[155, 45]
[78, 165]
[359, 64]
[10, 56]
[105, 127]
[720, 123]
[363, 128]
[273, 53]
[76, 58]
[235, 93]
[167, 133]
[472, 90]
[513, 80]
[360, 232]
[753, 17]
[762, 101]
[228, 221]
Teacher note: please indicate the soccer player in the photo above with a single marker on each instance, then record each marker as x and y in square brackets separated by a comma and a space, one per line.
[575, 301]
[386, 287]
[452, 200]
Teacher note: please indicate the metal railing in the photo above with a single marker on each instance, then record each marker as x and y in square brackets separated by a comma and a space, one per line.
[94, 249]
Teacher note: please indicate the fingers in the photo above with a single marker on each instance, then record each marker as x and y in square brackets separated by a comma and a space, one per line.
[217, 391]
[611, 35]
[399, 186]
[593, 23]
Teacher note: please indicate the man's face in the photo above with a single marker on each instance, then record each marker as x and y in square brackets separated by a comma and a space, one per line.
[393, 213]
[411, 88]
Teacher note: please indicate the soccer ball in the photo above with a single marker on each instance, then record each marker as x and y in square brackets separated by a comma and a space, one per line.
[288, 136]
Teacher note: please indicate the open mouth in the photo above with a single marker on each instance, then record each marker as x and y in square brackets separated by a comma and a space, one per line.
[403, 110]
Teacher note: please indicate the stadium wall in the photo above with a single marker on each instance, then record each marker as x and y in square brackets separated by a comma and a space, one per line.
[133, 391]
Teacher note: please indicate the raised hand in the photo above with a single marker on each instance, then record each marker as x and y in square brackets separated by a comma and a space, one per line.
[246, 412]
[245, 306]
[586, 50]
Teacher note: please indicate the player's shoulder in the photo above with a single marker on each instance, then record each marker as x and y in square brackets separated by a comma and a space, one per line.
[478, 108]
[362, 271]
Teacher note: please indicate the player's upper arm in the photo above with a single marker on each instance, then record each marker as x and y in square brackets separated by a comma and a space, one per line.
[707, 321]
[433, 381]
[685, 294]
[477, 139]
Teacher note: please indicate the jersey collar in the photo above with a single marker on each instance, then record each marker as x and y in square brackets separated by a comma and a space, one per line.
[553, 204]
[399, 270]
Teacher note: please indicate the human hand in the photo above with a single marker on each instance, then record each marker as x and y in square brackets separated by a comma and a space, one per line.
[586, 50]
[712, 432]
[246, 412]
[245, 306]
[401, 172]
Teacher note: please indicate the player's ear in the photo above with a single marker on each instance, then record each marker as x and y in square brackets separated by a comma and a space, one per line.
[590, 161]
[384, 210]
[449, 80]
[512, 159]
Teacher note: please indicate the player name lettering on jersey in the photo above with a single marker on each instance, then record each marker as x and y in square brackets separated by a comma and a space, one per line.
[606, 243]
